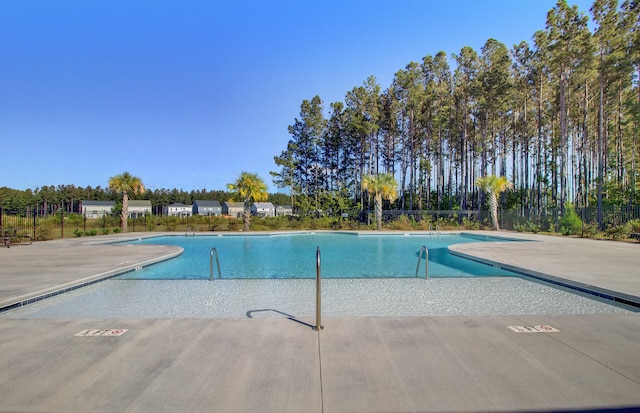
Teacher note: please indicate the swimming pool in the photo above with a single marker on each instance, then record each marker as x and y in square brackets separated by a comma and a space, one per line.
[344, 255]
[459, 292]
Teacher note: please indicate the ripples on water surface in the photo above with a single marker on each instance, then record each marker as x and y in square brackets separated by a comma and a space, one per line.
[340, 298]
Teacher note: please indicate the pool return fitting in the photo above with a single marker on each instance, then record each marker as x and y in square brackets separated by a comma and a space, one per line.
[423, 252]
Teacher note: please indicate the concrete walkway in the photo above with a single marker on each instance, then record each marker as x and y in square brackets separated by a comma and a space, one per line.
[364, 364]
[607, 266]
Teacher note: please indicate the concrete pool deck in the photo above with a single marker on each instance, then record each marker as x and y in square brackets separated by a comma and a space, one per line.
[357, 364]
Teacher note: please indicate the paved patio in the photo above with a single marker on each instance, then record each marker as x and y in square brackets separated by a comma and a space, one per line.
[358, 364]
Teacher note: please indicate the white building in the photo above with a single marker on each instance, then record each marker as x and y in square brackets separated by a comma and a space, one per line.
[138, 208]
[233, 209]
[263, 209]
[284, 210]
[96, 209]
[178, 210]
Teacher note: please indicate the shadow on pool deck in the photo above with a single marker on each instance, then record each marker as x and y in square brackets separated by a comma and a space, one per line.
[252, 313]
[363, 364]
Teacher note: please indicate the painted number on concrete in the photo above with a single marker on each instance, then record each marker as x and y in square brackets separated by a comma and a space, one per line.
[101, 333]
[533, 329]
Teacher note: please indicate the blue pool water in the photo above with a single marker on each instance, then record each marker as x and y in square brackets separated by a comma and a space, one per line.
[180, 287]
[294, 256]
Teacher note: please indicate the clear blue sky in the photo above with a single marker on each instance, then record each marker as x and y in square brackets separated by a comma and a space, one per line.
[189, 93]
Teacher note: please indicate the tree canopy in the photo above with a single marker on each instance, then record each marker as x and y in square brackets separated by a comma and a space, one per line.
[558, 115]
[125, 184]
[248, 188]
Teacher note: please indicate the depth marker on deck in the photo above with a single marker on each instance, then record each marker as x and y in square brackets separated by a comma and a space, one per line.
[533, 329]
[101, 333]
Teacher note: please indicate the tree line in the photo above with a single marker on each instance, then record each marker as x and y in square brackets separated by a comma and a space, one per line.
[559, 117]
[49, 199]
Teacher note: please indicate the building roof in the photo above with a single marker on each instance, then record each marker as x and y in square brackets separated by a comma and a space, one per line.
[98, 203]
[205, 203]
[234, 204]
[139, 203]
[263, 205]
[179, 205]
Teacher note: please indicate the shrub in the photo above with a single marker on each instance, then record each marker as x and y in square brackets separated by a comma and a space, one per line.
[77, 232]
[105, 231]
[532, 227]
[221, 225]
[634, 225]
[74, 219]
[470, 223]
[570, 223]
[403, 223]
[424, 225]
[150, 223]
[528, 226]
[44, 233]
[590, 230]
[619, 232]
[446, 223]
[235, 224]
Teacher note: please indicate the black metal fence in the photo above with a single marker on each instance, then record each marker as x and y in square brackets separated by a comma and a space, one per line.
[617, 222]
[60, 224]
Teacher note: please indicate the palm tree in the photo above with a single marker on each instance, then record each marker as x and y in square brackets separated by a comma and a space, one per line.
[494, 186]
[250, 188]
[125, 183]
[382, 186]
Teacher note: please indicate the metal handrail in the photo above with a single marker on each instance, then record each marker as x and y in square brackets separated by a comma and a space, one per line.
[426, 262]
[214, 250]
[318, 325]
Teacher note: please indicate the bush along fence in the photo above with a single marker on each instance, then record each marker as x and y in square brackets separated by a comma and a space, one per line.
[617, 222]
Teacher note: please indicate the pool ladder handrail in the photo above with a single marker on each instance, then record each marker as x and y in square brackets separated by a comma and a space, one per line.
[426, 261]
[211, 253]
[318, 325]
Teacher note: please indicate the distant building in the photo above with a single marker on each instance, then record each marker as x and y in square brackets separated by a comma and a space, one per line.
[139, 208]
[96, 209]
[208, 208]
[284, 210]
[263, 209]
[233, 209]
[178, 210]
